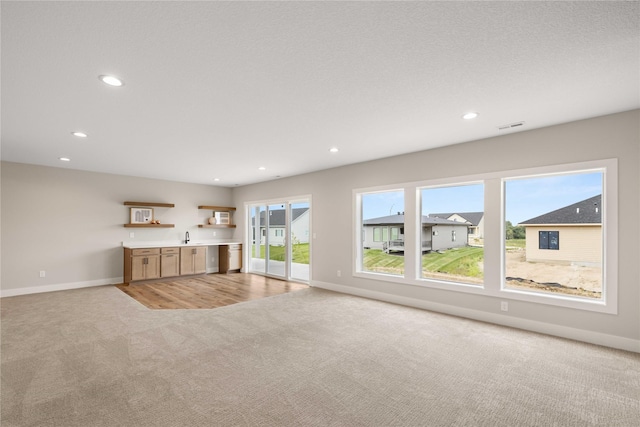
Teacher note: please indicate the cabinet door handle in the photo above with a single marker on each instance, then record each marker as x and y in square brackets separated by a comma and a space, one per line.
[194, 251]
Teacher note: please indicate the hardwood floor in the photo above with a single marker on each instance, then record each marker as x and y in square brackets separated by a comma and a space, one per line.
[208, 291]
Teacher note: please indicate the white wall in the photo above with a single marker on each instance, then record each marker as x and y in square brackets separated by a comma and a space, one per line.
[70, 223]
[613, 136]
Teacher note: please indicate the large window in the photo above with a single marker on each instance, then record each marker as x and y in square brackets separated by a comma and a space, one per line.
[382, 245]
[560, 249]
[449, 250]
[545, 235]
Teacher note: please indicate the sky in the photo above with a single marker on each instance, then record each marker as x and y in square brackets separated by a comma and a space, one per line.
[525, 198]
[529, 198]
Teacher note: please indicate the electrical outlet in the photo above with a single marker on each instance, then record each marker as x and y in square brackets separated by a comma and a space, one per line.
[214, 234]
[504, 306]
[131, 235]
[43, 273]
[339, 273]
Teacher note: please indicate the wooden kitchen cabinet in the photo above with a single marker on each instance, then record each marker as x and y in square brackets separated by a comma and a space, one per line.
[193, 260]
[144, 264]
[169, 262]
[141, 264]
[230, 258]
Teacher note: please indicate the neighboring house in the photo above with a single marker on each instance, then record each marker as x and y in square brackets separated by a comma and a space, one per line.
[276, 226]
[569, 235]
[475, 221]
[387, 233]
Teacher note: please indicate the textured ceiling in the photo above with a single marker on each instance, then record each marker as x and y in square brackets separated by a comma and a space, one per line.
[217, 89]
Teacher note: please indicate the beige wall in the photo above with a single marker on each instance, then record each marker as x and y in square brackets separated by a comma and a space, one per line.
[613, 136]
[578, 244]
[70, 223]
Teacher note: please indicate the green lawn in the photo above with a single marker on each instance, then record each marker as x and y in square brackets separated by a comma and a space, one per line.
[300, 253]
[460, 261]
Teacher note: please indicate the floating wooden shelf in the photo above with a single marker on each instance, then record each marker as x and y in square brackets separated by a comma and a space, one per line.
[150, 225]
[218, 208]
[149, 205]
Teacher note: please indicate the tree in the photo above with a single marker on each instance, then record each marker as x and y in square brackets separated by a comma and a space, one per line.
[519, 232]
[508, 230]
[511, 232]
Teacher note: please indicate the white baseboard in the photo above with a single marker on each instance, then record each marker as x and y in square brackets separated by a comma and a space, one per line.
[499, 319]
[58, 287]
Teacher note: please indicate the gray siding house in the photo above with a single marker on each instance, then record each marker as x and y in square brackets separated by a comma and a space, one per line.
[387, 233]
[474, 221]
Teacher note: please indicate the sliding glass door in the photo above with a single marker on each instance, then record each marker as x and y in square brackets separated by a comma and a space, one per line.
[279, 239]
[300, 221]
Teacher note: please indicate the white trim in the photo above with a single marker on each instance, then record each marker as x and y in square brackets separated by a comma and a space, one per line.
[591, 337]
[59, 287]
[248, 237]
[494, 249]
[609, 301]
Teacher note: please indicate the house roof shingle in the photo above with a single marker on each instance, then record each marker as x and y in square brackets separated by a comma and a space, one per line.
[399, 220]
[588, 211]
[277, 216]
[473, 217]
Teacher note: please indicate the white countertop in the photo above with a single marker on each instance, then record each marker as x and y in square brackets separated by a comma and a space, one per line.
[173, 244]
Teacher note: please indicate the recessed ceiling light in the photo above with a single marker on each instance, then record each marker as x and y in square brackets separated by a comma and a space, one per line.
[79, 134]
[216, 179]
[64, 159]
[470, 115]
[333, 150]
[111, 80]
[262, 168]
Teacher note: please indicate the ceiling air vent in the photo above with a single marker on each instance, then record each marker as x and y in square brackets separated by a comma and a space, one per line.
[511, 126]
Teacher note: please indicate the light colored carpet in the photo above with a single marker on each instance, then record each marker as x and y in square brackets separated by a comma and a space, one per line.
[95, 357]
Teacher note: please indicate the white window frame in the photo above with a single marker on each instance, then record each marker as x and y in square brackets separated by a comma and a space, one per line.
[358, 247]
[494, 220]
[609, 301]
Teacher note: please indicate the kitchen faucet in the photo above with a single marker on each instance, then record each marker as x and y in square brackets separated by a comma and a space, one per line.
[186, 238]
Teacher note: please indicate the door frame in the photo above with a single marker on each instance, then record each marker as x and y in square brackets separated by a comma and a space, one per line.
[248, 235]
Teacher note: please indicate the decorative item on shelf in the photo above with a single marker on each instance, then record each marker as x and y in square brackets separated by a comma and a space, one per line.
[222, 218]
[141, 216]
